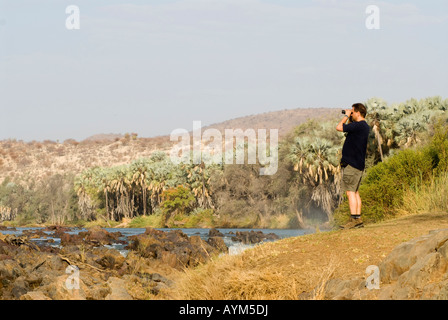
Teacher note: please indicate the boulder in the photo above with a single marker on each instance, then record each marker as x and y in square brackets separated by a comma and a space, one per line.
[62, 288]
[94, 236]
[34, 233]
[117, 290]
[159, 282]
[70, 239]
[57, 229]
[6, 249]
[98, 235]
[19, 241]
[406, 255]
[34, 295]
[9, 271]
[218, 243]
[213, 232]
[108, 258]
[343, 289]
[174, 248]
[252, 237]
[19, 287]
[416, 269]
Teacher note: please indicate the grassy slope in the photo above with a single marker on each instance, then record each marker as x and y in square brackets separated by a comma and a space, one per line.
[288, 267]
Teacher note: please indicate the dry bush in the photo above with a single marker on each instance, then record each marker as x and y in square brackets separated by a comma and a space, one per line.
[327, 274]
[72, 142]
[13, 155]
[24, 162]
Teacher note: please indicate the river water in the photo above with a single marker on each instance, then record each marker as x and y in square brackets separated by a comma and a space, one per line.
[234, 247]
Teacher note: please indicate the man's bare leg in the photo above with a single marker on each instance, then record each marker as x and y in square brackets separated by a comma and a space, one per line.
[358, 204]
[353, 202]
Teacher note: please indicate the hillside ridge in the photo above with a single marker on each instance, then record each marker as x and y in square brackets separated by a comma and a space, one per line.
[21, 160]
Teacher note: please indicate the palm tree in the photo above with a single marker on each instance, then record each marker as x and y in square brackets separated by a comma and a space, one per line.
[158, 182]
[119, 184]
[382, 118]
[139, 171]
[316, 160]
[84, 186]
[103, 183]
[198, 179]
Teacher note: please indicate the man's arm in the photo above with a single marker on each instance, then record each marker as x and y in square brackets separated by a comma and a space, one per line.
[340, 126]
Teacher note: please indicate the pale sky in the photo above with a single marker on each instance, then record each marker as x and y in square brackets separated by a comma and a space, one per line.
[154, 66]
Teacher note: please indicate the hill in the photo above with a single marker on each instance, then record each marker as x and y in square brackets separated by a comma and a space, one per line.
[283, 120]
[105, 137]
[38, 159]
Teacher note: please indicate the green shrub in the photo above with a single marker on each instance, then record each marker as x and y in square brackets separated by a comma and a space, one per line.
[154, 220]
[200, 218]
[178, 200]
[438, 148]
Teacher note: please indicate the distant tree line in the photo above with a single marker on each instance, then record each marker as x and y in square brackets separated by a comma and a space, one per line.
[306, 185]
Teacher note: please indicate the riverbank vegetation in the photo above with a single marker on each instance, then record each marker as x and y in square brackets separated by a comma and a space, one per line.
[407, 170]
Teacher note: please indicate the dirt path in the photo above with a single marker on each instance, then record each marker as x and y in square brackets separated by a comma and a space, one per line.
[286, 268]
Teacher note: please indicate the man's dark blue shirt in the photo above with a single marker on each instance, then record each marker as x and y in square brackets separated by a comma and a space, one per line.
[355, 146]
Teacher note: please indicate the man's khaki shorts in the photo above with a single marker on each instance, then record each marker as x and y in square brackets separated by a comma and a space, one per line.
[351, 179]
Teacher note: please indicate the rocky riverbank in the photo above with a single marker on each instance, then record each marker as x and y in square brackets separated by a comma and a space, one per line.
[409, 256]
[84, 267]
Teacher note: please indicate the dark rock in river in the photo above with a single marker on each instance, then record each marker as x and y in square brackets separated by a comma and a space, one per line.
[213, 232]
[100, 236]
[5, 228]
[218, 243]
[174, 247]
[252, 237]
[94, 236]
[57, 229]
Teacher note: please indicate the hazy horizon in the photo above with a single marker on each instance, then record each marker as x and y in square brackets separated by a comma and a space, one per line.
[149, 67]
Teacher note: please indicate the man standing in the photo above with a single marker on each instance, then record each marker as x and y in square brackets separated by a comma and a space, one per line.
[354, 158]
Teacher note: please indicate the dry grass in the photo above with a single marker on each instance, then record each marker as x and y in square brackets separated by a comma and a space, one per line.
[229, 283]
[328, 273]
[286, 268]
[432, 195]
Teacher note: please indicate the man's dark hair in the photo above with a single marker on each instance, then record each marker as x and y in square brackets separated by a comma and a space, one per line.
[359, 107]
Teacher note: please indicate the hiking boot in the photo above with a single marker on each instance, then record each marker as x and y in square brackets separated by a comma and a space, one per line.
[359, 223]
[353, 223]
